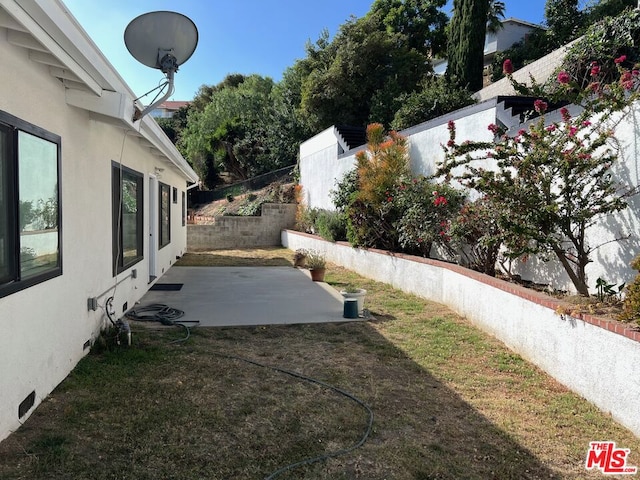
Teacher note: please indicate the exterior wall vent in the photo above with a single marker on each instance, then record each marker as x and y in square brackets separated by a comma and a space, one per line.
[26, 404]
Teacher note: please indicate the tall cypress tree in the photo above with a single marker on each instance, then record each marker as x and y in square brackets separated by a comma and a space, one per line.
[465, 48]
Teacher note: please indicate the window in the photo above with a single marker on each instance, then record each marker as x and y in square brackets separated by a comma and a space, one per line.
[127, 227]
[175, 195]
[184, 208]
[165, 215]
[30, 246]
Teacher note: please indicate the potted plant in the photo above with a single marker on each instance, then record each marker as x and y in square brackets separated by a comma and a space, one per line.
[316, 264]
[300, 257]
[357, 293]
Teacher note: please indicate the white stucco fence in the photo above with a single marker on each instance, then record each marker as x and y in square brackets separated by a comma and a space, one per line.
[593, 361]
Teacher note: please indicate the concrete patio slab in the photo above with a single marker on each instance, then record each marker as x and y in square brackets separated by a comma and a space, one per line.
[248, 296]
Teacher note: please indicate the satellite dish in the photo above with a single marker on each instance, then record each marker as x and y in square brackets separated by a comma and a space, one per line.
[162, 40]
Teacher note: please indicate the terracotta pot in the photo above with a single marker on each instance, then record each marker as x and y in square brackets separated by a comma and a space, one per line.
[317, 274]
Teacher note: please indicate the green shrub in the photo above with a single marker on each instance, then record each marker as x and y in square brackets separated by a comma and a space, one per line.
[477, 236]
[427, 210]
[331, 226]
[631, 306]
[437, 96]
[371, 216]
[306, 219]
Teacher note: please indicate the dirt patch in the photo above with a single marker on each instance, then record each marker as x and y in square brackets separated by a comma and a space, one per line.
[246, 203]
[257, 257]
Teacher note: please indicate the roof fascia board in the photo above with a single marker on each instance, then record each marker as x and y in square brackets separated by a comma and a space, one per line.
[71, 36]
[16, 10]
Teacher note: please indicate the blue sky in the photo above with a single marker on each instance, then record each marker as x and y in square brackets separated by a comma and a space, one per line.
[238, 36]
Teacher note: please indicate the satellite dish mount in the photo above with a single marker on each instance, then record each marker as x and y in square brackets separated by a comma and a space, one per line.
[164, 41]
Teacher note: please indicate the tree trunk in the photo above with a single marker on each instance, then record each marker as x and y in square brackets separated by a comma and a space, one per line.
[578, 278]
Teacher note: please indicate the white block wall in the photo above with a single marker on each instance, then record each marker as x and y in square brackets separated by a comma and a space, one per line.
[594, 358]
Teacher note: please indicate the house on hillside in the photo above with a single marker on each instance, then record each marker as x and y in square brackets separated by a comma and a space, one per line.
[168, 109]
[512, 31]
[92, 204]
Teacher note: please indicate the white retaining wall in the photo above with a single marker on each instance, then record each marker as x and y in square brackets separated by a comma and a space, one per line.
[586, 355]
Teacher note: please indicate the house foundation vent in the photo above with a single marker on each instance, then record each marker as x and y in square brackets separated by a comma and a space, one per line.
[26, 404]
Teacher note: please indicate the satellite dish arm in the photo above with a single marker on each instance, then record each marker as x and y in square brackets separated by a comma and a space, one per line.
[169, 66]
[138, 114]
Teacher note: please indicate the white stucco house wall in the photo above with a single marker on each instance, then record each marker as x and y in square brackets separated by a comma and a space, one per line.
[92, 204]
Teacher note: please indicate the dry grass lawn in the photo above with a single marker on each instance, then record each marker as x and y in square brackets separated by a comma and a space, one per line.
[450, 402]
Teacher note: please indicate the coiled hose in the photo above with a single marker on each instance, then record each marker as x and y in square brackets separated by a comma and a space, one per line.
[164, 314]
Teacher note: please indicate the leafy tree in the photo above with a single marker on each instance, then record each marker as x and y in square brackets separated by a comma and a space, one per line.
[554, 178]
[357, 77]
[437, 97]
[173, 126]
[564, 21]
[495, 15]
[238, 130]
[368, 67]
[465, 50]
[421, 23]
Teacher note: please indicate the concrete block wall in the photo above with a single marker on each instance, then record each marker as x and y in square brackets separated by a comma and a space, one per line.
[243, 232]
[591, 356]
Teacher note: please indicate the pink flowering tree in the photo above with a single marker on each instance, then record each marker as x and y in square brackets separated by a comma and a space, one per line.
[427, 212]
[553, 177]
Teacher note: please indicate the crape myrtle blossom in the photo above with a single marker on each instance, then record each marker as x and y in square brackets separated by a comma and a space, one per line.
[553, 177]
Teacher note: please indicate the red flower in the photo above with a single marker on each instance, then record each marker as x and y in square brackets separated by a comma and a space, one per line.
[389, 199]
[540, 106]
[550, 128]
[626, 80]
[621, 59]
[493, 128]
[451, 143]
[507, 67]
[450, 125]
[440, 201]
[563, 77]
[573, 131]
[566, 116]
[595, 69]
